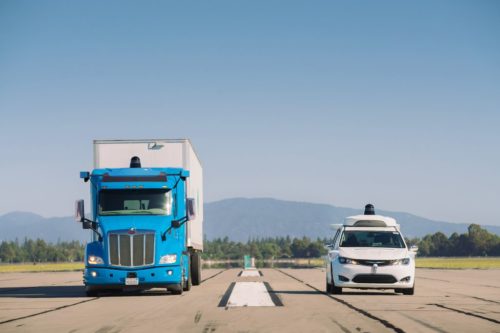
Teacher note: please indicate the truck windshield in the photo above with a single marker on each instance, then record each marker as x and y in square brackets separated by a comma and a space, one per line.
[135, 202]
[354, 238]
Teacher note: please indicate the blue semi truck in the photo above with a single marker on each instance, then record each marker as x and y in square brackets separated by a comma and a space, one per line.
[146, 218]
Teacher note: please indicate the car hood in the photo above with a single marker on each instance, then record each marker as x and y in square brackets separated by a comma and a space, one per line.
[370, 253]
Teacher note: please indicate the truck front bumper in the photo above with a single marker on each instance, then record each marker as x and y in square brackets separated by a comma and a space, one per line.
[152, 277]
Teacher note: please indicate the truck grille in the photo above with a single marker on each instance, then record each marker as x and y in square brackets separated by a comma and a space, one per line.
[131, 250]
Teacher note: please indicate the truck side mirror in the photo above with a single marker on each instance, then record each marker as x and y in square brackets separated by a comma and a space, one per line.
[80, 215]
[190, 209]
[79, 211]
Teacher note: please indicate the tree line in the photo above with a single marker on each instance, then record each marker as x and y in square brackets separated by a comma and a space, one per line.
[40, 251]
[266, 248]
[475, 242]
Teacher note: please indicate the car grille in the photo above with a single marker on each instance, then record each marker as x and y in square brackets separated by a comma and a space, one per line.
[373, 262]
[374, 278]
[131, 250]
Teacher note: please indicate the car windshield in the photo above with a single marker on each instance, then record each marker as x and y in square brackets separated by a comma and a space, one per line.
[135, 202]
[355, 238]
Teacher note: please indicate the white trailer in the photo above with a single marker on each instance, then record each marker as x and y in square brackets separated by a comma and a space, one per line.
[159, 153]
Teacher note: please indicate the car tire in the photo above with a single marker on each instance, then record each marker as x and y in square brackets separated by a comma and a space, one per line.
[409, 291]
[328, 288]
[335, 290]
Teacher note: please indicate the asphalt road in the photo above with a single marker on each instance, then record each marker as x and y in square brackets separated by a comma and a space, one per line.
[274, 300]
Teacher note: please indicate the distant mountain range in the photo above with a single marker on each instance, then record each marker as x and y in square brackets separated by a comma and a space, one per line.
[239, 219]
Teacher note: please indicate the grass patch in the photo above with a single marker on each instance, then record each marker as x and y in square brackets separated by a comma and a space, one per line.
[459, 263]
[41, 267]
[442, 263]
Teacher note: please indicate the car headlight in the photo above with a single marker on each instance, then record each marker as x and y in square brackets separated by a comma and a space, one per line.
[168, 259]
[404, 261]
[95, 260]
[344, 260]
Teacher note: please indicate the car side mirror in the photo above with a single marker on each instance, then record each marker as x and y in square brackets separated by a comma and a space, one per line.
[414, 248]
[190, 209]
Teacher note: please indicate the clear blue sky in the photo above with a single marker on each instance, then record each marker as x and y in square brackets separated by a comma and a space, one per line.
[391, 102]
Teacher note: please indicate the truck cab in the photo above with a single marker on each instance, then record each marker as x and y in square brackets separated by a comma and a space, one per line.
[369, 252]
[142, 232]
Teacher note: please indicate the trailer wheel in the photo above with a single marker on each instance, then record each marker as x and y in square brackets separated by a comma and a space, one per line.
[195, 268]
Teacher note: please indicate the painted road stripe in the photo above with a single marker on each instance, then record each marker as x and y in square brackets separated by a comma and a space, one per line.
[228, 292]
[276, 300]
[249, 273]
[243, 294]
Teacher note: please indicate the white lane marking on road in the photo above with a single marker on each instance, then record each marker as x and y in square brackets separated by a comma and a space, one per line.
[249, 273]
[250, 294]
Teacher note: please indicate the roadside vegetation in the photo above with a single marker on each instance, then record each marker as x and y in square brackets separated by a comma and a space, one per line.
[476, 242]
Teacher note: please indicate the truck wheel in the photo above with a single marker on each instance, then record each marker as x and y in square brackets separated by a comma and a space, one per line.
[196, 269]
[187, 283]
[91, 292]
[176, 289]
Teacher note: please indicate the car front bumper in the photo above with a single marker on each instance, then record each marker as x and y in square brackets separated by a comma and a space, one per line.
[350, 272]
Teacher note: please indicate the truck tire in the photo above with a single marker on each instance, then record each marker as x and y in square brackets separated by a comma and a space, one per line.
[195, 268]
[91, 292]
[188, 283]
[176, 289]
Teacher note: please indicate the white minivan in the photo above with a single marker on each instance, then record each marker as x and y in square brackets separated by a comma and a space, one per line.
[369, 252]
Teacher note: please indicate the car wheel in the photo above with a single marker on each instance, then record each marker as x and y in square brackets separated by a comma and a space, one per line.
[409, 291]
[335, 290]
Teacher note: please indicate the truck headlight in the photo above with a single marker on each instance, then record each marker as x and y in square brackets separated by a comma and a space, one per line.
[95, 260]
[404, 261]
[168, 259]
[344, 260]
